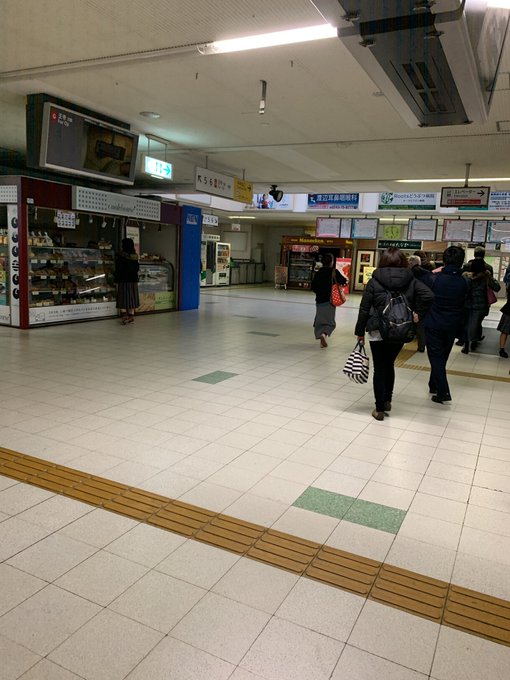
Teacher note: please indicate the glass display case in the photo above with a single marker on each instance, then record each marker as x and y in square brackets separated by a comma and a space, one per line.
[300, 270]
[156, 284]
[66, 284]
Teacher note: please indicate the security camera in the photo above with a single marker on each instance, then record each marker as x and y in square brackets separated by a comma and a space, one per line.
[276, 193]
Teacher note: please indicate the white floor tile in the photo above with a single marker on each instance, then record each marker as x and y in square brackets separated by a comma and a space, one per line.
[98, 528]
[306, 524]
[145, 545]
[424, 558]
[47, 670]
[488, 546]
[339, 483]
[183, 661]
[397, 636]
[466, 657]
[267, 588]
[385, 494]
[210, 496]
[15, 499]
[438, 508]
[55, 512]
[46, 619]
[279, 490]
[361, 540]
[445, 489]
[107, 648]
[353, 467]
[15, 659]
[16, 586]
[395, 477]
[102, 577]
[222, 627]
[356, 664]
[431, 530]
[285, 651]
[53, 556]
[319, 607]
[16, 535]
[158, 601]
[484, 575]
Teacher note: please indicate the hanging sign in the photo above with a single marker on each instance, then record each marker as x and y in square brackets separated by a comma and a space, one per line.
[65, 219]
[217, 184]
[403, 245]
[333, 201]
[157, 168]
[407, 201]
[210, 220]
[456, 197]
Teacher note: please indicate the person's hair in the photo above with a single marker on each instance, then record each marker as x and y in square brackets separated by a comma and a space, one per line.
[477, 266]
[393, 257]
[128, 246]
[414, 260]
[454, 255]
[421, 254]
[327, 260]
[480, 252]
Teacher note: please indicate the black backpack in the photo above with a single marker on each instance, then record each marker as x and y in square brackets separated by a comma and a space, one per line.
[396, 319]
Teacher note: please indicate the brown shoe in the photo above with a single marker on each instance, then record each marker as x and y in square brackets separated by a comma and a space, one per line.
[378, 415]
[387, 406]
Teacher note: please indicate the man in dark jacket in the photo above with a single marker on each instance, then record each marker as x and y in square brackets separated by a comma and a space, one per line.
[445, 318]
[479, 255]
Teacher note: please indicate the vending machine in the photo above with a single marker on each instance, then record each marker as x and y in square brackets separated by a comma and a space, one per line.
[222, 273]
[208, 257]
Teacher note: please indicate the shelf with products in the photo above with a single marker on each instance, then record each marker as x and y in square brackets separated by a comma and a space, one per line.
[69, 276]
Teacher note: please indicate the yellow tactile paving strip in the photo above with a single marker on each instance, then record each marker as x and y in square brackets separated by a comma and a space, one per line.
[438, 601]
[406, 354]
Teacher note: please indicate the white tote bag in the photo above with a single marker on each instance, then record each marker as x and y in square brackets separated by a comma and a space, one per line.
[357, 365]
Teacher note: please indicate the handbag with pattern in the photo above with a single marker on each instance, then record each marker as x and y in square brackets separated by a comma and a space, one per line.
[338, 296]
[357, 365]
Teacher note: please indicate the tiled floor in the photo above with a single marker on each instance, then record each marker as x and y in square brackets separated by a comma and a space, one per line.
[88, 594]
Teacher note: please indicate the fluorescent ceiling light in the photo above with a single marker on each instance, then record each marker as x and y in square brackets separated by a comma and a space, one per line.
[394, 219]
[445, 180]
[241, 217]
[252, 42]
[502, 4]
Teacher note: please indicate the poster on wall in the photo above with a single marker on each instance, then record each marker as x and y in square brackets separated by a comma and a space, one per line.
[344, 266]
[333, 201]
[480, 231]
[412, 200]
[327, 226]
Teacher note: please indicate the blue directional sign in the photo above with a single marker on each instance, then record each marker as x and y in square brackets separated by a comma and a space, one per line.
[157, 168]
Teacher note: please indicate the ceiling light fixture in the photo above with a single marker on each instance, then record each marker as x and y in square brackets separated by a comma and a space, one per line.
[150, 114]
[501, 4]
[253, 42]
[242, 217]
[445, 180]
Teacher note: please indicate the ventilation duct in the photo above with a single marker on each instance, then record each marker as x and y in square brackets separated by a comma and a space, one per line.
[436, 62]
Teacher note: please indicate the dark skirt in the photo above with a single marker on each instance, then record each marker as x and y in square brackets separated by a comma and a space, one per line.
[504, 324]
[324, 321]
[127, 296]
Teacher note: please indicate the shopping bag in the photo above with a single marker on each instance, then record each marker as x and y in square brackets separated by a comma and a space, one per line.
[491, 296]
[357, 365]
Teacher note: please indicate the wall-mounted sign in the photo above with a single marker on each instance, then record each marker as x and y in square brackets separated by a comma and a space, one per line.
[457, 230]
[157, 168]
[107, 203]
[456, 197]
[411, 200]
[423, 230]
[333, 201]
[65, 219]
[364, 228]
[327, 226]
[217, 184]
[210, 220]
[498, 231]
[9, 193]
[392, 231]
[403, 245]
[479, 231]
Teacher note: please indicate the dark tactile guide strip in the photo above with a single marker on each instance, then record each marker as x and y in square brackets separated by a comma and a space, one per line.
[419, 595]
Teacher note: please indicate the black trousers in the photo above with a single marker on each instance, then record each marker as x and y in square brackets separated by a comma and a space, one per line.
[439, 346]
[383, 356]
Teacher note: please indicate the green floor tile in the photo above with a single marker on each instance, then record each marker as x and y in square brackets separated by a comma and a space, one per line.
[215, 377]
[269, 335]
[376, 516]
[324, 502]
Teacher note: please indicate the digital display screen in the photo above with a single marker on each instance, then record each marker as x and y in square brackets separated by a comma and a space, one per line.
[80, 145]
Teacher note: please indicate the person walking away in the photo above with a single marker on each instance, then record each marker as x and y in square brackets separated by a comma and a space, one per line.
[126, 278]
[425, 263]
[479, 254]
[477, 303]
[324, 323]
[419, 271]
[392, 276]
[445, 319]
[504, 329]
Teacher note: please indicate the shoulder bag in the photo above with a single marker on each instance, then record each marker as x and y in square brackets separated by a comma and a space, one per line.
[337, 294]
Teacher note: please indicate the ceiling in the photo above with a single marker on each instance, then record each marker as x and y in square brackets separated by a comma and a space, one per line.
[326, 127]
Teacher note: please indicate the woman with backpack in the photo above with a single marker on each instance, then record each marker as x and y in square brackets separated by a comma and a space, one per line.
[392, 302]
[324, 323]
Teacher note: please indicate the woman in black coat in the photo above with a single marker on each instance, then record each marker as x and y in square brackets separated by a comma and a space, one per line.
[126, 278]
[391, 276]
[324, 323]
